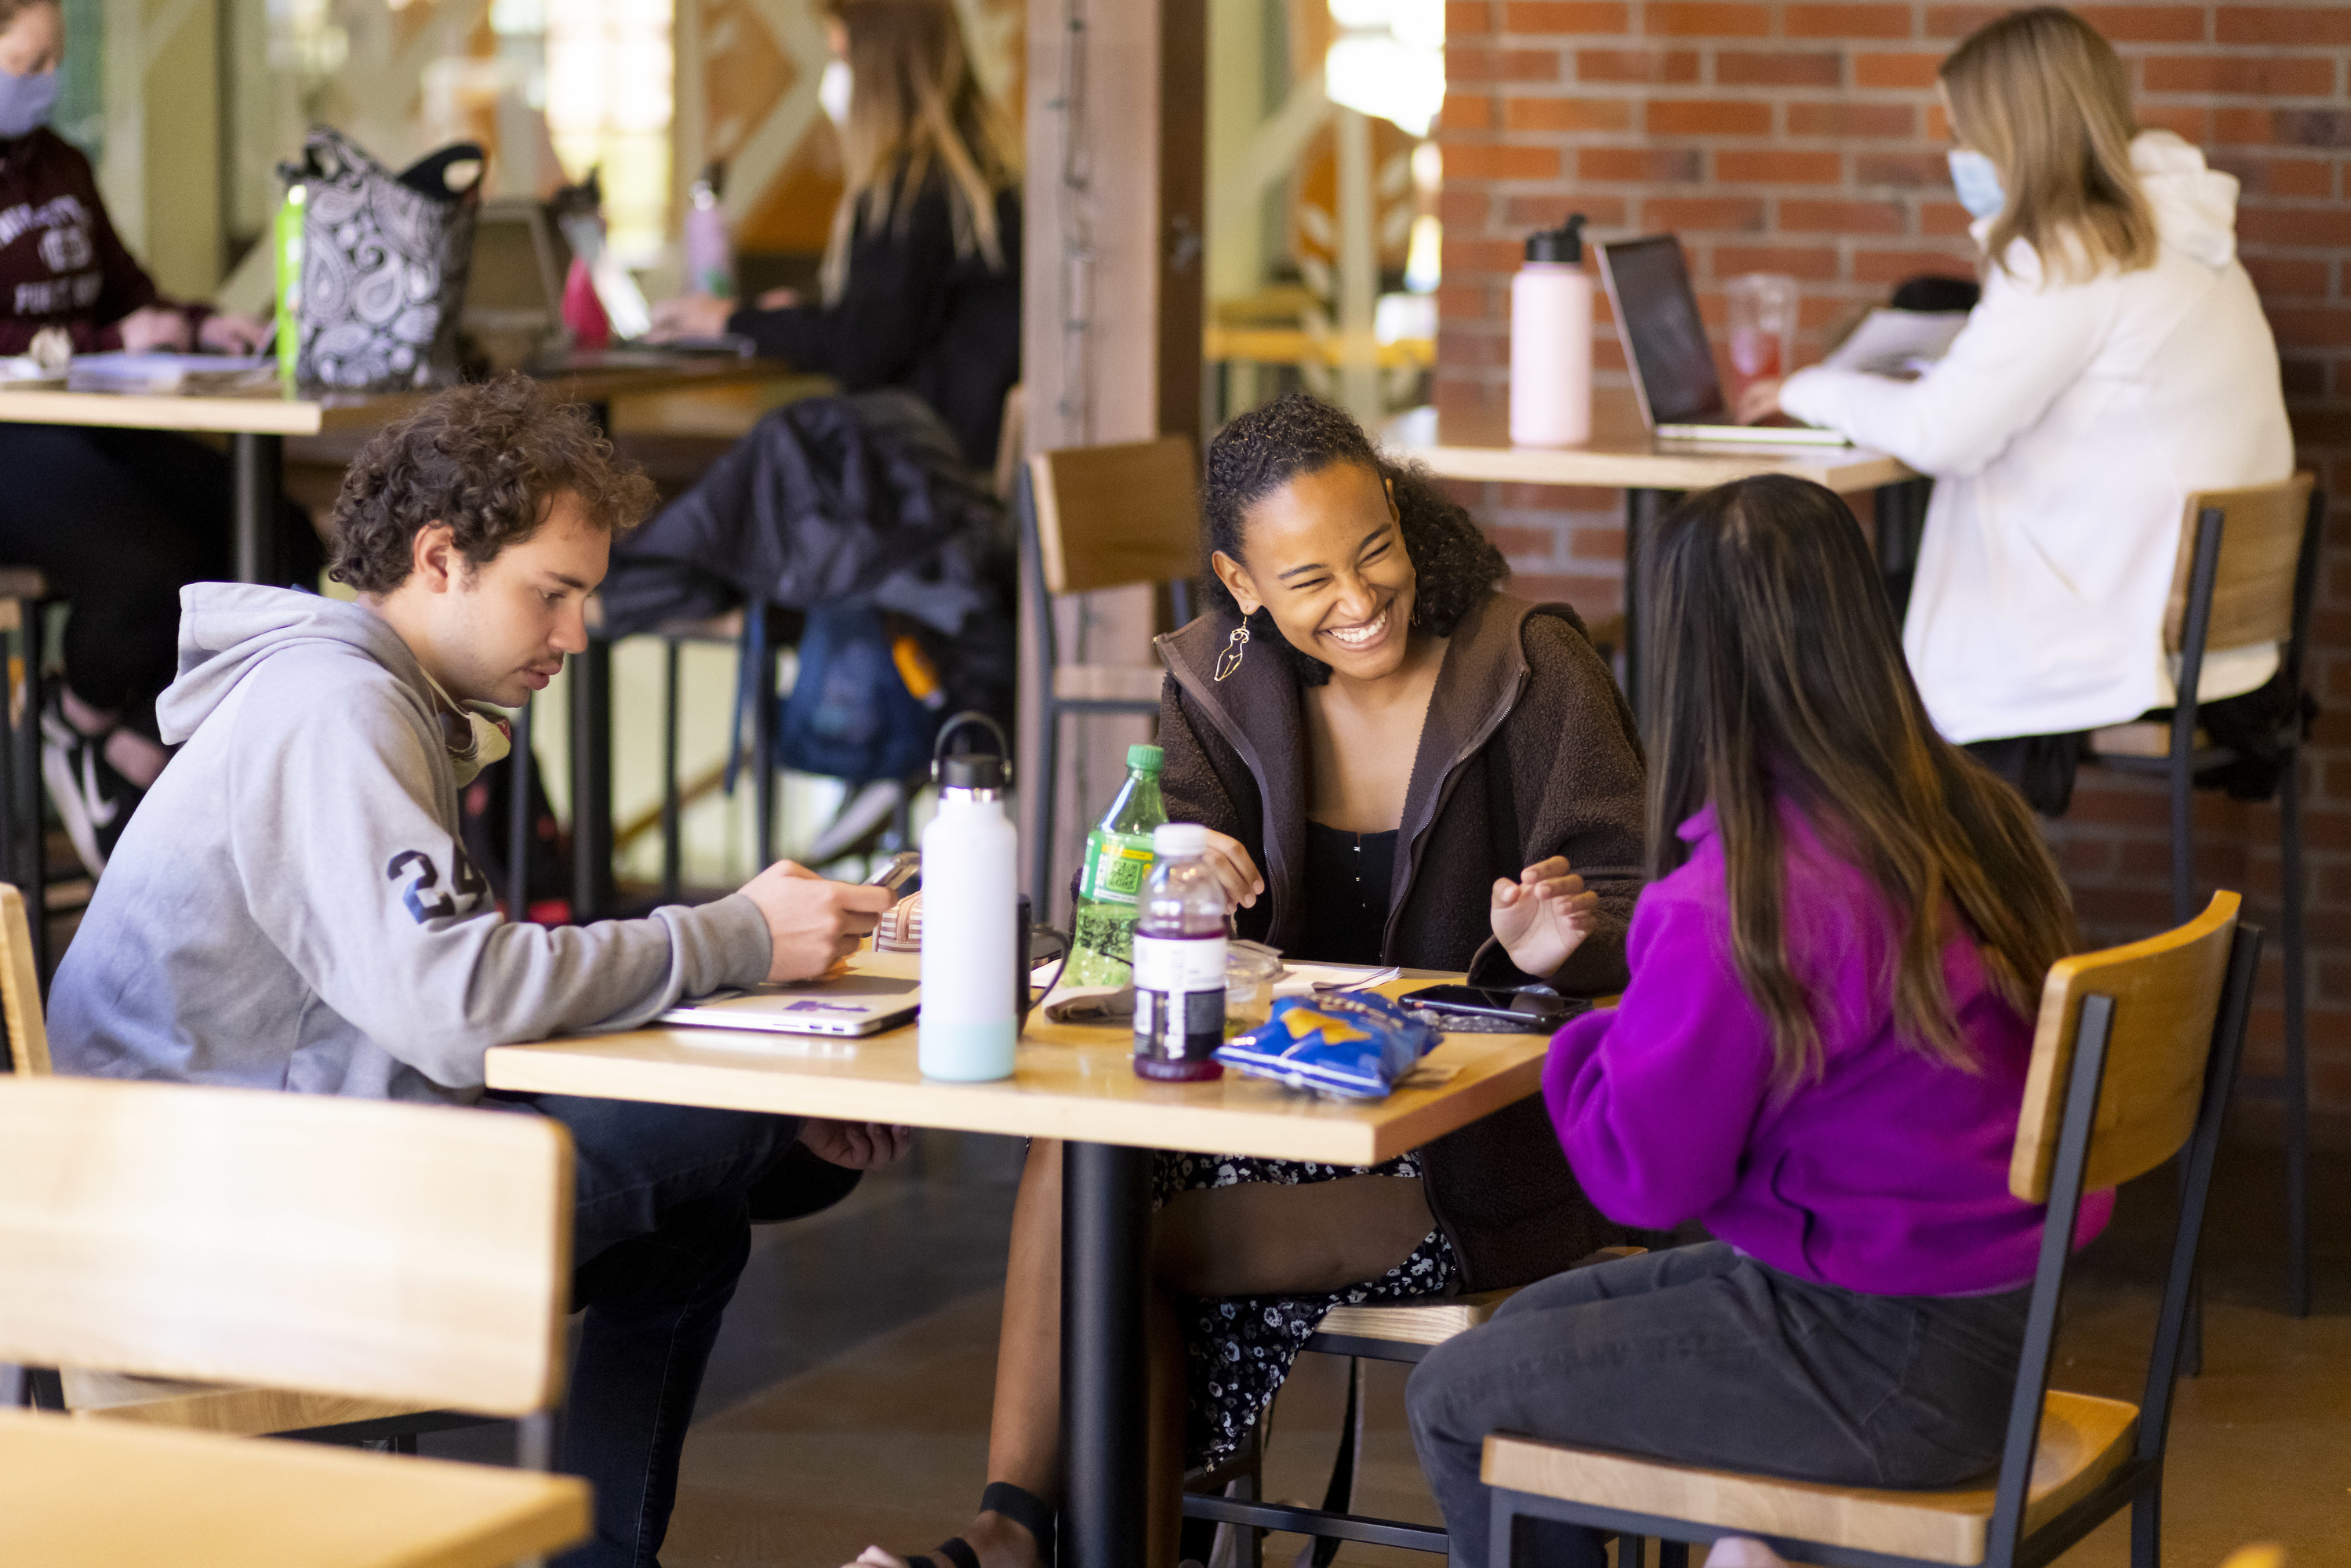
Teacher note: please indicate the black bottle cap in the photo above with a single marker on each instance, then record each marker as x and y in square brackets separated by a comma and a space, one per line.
[972, 771]
[1565, 243]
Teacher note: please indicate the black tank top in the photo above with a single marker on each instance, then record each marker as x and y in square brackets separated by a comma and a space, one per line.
[1348, 878]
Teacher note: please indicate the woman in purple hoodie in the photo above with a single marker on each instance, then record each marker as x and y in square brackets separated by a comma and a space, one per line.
[1821, 1056]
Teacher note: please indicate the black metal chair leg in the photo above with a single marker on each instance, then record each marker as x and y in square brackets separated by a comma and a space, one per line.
[1631, 1551]
[1338, 1497]
[1673, 1554]
[672, 825]
[2182, 781]
[2297, 1072]
[2147, 1526]
[1047, 779]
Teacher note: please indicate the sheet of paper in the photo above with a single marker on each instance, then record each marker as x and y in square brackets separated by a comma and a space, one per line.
[1900, 343]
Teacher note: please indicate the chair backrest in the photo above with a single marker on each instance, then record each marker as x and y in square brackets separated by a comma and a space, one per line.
[407, 1253]
[1108, 517]
[20, 989]
[2166, 992]
[2132, 1061]
[2261, 548]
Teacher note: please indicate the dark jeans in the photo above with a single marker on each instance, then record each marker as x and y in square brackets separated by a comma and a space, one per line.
[118, 520]
[660, 1233]
[1702, 1355]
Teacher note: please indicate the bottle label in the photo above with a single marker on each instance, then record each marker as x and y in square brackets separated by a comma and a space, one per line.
[1116, 868]
[1179, 997]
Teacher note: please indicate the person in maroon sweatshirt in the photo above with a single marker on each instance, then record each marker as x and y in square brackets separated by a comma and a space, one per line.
[118, 520]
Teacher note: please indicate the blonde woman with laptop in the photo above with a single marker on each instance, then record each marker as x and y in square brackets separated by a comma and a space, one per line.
[922, 280]
[2117, 361]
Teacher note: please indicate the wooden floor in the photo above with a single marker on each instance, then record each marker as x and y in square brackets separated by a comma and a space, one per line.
[849, 1401]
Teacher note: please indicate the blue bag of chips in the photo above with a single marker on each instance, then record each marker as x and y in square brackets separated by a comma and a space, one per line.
[1356, 1045]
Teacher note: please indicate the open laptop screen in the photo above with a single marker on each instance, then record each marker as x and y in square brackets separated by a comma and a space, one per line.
[1656, 313]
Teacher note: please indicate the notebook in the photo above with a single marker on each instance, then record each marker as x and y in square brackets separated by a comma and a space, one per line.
[1665, 344]
[850, 1005]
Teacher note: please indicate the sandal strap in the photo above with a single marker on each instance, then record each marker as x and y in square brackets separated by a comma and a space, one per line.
[1025, 1509]
[955, 1549]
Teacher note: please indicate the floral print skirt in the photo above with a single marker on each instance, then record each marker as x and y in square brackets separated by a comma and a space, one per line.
[1237, 1349]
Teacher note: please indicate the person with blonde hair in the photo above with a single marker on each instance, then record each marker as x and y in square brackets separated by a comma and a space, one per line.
[2118, 361]
[921, 282]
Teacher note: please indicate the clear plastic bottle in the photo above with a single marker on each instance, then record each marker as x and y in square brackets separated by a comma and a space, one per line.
[1110, 883]
[1179, 960]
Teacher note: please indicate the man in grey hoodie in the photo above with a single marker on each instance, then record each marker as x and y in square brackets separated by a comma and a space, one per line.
[292, 908]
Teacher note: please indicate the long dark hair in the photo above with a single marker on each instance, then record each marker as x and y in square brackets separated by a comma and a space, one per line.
[1776, 670]
[1453, 561]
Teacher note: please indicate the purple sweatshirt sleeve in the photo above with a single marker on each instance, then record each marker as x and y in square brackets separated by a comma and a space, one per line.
[1655, 1101]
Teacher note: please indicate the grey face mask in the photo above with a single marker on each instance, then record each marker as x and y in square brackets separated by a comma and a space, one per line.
[25, 102]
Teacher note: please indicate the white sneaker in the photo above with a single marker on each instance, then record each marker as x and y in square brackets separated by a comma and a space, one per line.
[94, 801]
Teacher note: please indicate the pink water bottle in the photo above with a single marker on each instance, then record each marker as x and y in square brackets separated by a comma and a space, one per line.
[1550, 341]
[1179, 960]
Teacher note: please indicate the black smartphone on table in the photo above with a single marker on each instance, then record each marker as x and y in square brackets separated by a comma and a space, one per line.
[1536, 1012]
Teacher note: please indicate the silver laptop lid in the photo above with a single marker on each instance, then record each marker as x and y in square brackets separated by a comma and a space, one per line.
[1664, 339]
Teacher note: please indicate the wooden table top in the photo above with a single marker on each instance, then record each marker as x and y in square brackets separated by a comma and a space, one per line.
[1069, 1080]
[273, 412]
[1621, 455]
[76, 1490]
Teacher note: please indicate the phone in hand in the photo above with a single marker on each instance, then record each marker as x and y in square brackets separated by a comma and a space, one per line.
[903, 867]
[1535, 1012]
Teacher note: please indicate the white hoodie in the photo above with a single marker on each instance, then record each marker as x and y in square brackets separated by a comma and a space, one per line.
[2064, 430]
[291, 908]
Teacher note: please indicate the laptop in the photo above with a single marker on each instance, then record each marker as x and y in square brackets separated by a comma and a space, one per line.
[1664, 343]
[851, 1006]
[514, 287]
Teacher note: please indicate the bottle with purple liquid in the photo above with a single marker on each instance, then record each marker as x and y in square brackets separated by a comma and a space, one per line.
[1179, 960]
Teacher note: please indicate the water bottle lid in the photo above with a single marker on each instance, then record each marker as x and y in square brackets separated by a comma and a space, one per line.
[1146, 759]
[1176, 840]
[973, 770]
[1565, 243]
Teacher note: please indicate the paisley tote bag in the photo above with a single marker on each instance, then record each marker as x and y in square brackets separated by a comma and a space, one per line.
[383, 264]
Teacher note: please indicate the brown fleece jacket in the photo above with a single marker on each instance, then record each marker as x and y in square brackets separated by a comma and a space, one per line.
[1528, 751]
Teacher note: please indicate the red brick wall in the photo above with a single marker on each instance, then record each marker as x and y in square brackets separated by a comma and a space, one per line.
[1803, 137]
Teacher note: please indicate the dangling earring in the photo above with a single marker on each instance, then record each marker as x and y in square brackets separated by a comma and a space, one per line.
[1236, 648]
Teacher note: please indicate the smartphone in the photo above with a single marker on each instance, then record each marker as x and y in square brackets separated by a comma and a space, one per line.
[1537, 1012]
[903, 867]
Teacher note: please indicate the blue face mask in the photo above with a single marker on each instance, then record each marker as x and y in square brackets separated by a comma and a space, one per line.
[25, 102]
[1978, 184]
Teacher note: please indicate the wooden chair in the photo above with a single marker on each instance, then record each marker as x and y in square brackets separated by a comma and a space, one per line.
[126, 1394]
[1396, 1330]
[2131, 1064]
[362, 1251]
[2247, 571]
[1095, 517]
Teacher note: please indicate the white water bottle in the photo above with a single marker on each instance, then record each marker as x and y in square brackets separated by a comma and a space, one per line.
[1550, 341]
[969, 1023]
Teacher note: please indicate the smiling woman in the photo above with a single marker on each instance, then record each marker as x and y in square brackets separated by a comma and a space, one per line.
[1431, 773]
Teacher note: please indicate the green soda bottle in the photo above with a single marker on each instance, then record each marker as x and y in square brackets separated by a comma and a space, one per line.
[1110, 887]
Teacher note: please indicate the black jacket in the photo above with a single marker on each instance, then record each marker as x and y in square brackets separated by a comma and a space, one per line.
[1528, 751]
[914, 314]
[851, 503]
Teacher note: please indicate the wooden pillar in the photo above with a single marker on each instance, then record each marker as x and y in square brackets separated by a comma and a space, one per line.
[1112, 300]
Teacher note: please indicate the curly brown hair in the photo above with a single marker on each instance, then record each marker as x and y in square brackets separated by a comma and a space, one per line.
[488, 460]
[1454, 562]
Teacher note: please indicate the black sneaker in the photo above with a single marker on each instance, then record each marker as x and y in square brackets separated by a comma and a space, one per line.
[94, 800]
